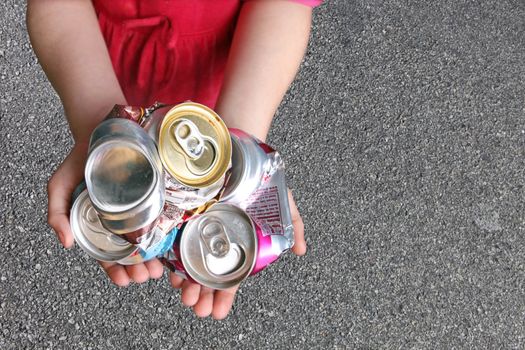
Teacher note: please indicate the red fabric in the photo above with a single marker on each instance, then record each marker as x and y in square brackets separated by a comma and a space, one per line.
[168, 50]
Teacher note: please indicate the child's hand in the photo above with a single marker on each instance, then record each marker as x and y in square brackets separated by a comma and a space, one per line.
[122, 275]
[59, 189]
[206, 301]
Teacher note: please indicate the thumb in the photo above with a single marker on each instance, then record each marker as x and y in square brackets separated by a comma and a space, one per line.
[59, 190]
[299, 247]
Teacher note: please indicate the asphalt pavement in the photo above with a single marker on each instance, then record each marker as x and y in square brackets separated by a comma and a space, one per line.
[404, 138]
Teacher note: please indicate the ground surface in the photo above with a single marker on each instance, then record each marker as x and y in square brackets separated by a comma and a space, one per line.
[404, 136]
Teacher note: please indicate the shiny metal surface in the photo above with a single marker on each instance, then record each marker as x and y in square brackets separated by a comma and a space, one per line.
[124, 176]
[194, 145]
[218, 248]
[94, 239]
[249, 163]
[269, 206]
[190, 198]
[121, 176]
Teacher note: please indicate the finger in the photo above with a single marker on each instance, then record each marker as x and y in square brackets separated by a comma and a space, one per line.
[222, 302]
[60, 188]
[60, 224]
[58, 209]
[175, 280]
[155, 268]
[190, 293]
[116, 273]
[299, 247]
[139, 272]
[204, 306]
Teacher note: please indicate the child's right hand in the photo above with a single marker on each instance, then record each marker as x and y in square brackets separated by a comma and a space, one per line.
[59, 189]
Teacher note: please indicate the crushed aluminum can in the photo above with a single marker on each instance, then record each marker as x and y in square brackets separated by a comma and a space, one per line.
[101, 244]
[217, 249]
[269, 208]
[221, 247]
[250, 164]
[124, 179]
[195, 149]
[258, 185]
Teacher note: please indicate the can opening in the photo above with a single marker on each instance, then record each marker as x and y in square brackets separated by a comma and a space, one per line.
[205, 162]
[220, 255]
[232, 261]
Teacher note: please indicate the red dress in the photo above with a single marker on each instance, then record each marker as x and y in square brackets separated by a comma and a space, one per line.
[168, 50]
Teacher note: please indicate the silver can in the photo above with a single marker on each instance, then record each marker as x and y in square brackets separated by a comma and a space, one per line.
[94, 239]
[257, 184]
[218, 249]
[124, 178]
[249, 164]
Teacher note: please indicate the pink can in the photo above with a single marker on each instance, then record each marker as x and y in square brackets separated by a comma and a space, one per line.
[221, 247]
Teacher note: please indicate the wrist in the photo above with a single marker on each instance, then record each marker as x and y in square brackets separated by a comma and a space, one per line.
[247, 123]
[82, 121]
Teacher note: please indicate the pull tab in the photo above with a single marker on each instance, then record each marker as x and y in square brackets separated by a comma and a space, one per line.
[94, 225]
[214, 237]
[189, 138]
[148, 112]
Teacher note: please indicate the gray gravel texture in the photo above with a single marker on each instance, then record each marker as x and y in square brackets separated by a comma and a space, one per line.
[404, 137]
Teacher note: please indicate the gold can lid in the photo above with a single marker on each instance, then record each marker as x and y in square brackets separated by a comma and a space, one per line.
[194, 145]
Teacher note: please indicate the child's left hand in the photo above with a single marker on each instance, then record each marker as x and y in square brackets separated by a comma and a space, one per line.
[218, 303]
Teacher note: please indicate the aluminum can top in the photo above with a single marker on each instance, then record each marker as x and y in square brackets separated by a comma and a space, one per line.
[194, 145]
[218, 249]
[92, 237]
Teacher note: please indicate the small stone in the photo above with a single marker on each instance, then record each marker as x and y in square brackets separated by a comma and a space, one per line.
[3, 278]
[62, 338]
[38, 266]
[72, 321]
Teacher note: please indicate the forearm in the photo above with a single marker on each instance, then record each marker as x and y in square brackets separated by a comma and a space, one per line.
[67, 41]
[268, 46]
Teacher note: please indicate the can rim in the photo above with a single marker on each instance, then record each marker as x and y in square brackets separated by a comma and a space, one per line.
[222, 164]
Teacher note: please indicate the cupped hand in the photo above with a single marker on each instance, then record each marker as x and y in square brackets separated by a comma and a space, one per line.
[59, 190]
[218, 303]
